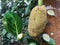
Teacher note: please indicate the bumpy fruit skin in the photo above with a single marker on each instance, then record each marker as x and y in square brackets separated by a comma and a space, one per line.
[37, 21]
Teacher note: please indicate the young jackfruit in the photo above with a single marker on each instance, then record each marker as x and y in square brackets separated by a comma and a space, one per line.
[37, 21]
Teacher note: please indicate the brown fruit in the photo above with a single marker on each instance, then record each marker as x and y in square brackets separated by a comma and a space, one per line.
[37, 21]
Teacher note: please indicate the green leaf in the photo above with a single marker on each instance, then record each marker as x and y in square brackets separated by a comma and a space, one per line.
[9, 35]
[12, 23]
[29, 7]
[27, 12]
[3, 32]
[52, 42]
[51, 12]
[32, 41]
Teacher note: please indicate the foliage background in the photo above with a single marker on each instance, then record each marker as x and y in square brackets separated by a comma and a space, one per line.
[23, 9]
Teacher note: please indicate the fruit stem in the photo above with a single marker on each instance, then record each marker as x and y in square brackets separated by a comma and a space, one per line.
[40, 2]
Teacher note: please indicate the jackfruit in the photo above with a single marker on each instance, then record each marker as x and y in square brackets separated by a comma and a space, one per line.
[37, 21]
